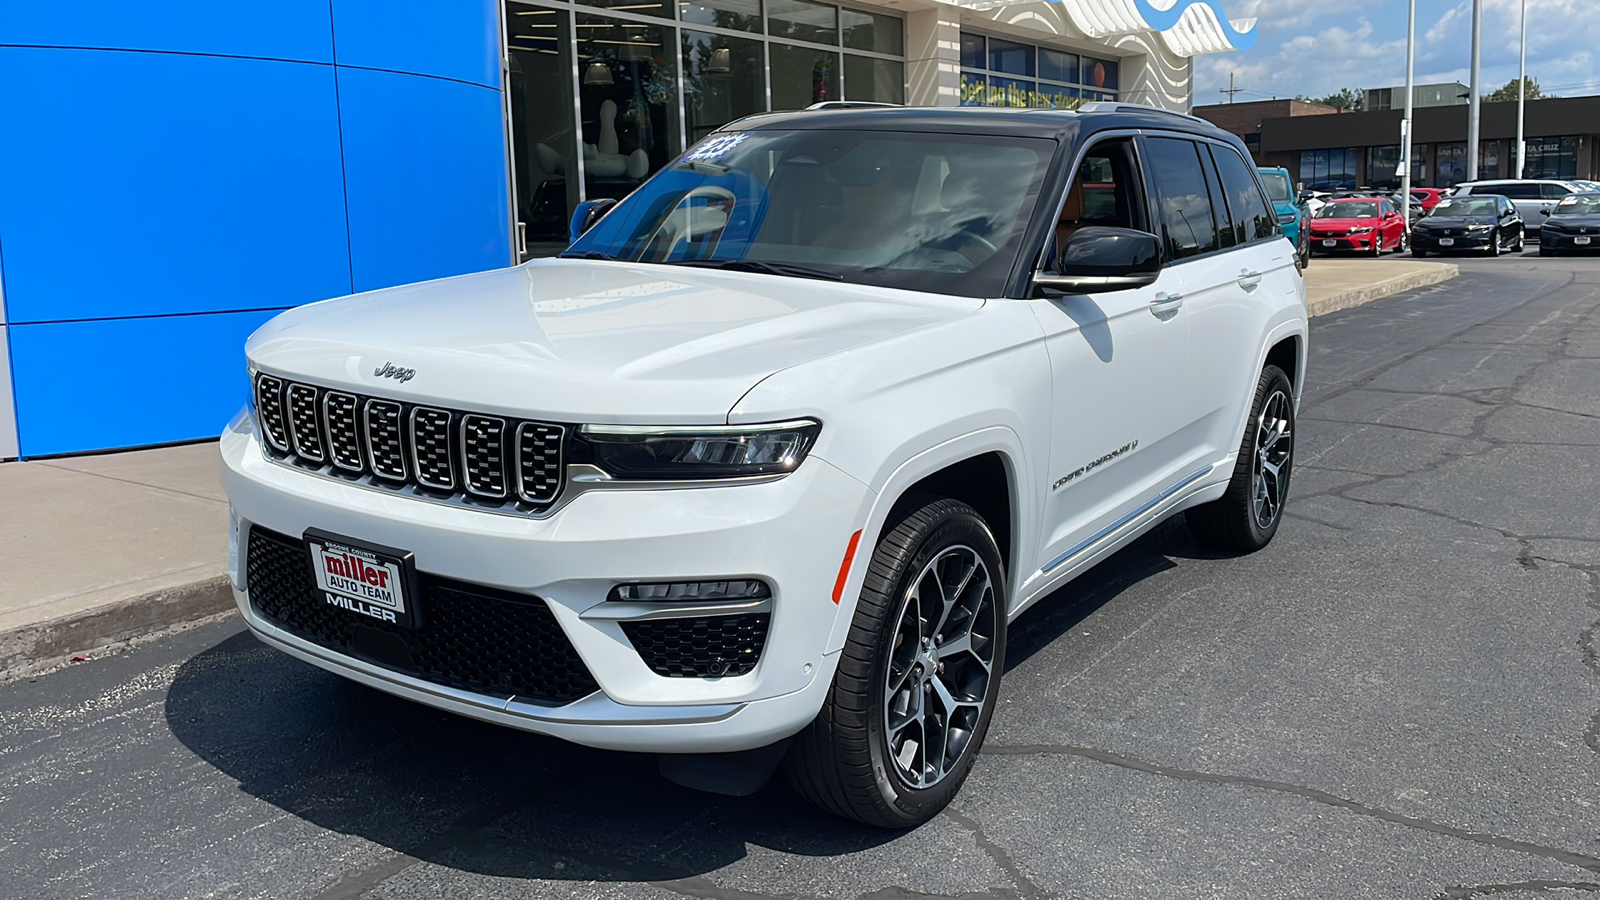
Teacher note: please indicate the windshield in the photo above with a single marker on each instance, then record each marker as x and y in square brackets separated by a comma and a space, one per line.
[929, 212]
[1348, 211]
[1578, 205]
[1277, 186]
[1459, 207]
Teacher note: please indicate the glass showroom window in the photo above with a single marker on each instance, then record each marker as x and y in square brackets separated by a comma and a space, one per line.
[1383, 164]
[1551, 157]
[1002, 72]
[1328, 170]
[615, 89]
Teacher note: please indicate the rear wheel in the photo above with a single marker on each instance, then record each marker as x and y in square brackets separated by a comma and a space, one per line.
[917, 681]
[1247, 515]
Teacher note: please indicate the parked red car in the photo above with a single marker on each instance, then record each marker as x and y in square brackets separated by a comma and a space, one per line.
[1428, 197]
[1362, 224]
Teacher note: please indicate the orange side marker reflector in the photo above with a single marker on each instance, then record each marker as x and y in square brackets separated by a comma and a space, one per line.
[844, 567]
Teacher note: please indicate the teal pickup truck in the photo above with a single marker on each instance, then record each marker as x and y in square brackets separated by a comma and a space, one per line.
[1293, 216]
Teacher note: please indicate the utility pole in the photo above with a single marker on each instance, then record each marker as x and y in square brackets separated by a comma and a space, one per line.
[1474, 90]
[1230, 90]
[1522, 85]
[1405, 123]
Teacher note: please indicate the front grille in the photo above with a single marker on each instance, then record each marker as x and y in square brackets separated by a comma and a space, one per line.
[705, 647]
[480, 460]
[473, 638]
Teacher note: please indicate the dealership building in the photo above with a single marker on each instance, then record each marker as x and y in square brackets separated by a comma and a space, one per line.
[175, 174]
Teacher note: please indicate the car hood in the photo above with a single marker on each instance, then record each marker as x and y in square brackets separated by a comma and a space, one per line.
[1330, 222]
[1456, 221]
[586, 341]
[1574, 221]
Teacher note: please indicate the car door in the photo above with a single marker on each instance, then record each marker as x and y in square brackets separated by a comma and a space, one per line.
[1117, 363]
[1225, 328]
[1511, 225]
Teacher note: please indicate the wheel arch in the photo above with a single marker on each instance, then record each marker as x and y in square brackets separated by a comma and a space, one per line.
[983, 469]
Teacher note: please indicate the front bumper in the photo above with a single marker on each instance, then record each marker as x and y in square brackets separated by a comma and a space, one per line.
[1345, 242]
[1568, 243]
[792, 533]
[1459, 242]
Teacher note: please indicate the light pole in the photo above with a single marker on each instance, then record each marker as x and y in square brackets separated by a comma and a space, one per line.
[1472, 99]
[1405, 123]
[1522, 84]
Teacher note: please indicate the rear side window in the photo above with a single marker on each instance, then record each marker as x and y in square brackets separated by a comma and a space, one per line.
[1253, 218]
[1514, 191]
[1552, 191]
[1187, 228]
[1230, 233]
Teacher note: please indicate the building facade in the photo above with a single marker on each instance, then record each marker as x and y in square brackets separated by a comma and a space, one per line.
[176, 176]
[1362, 149]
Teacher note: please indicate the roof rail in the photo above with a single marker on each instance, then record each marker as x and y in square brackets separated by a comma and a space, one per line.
[1117, 106]
[849, 104]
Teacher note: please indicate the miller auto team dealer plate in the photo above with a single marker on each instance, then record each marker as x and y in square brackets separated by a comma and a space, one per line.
[376, 582]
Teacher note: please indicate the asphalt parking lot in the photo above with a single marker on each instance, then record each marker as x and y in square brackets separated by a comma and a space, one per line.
[1400, 698]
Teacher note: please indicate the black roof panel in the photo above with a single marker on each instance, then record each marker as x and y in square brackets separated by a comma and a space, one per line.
[1045, 123]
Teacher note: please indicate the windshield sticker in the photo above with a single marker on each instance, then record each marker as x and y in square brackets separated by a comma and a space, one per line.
[715, 148]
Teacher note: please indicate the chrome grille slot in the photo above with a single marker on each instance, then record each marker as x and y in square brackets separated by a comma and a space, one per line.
[339, 422]
[483, 451]
[452, 456]
[304, 429]
[269, 412]
[430, 448]
[539, 471]
[386, 444]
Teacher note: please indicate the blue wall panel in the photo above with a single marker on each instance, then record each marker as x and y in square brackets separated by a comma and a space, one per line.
[125, 382]
[425, 177]
[457, 39]
[280, 29]
[149, 183]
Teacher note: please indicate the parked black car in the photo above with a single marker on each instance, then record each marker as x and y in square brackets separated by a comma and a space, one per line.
[1573, 226]
[1476, 222]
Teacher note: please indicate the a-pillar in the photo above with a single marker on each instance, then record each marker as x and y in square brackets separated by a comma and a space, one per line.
[933, 56]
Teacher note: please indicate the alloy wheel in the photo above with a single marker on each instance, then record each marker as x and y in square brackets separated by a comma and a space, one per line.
[1274, 446]
[941, 663]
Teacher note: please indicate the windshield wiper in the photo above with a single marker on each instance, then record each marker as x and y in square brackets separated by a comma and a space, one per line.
[751, 265]
[588, 254]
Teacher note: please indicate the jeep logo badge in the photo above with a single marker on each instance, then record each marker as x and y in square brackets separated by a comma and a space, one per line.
[390, 370]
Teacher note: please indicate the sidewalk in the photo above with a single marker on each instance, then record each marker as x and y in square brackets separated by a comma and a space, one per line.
[95, 550]
[99, 550]
[1334, 284]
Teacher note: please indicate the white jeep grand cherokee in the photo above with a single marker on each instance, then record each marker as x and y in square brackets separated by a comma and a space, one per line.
[760, 468]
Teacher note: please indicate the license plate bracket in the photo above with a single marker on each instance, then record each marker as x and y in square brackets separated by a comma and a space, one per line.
[1328, 243]
[1447, 242]
[374, 582]
[1581, 239]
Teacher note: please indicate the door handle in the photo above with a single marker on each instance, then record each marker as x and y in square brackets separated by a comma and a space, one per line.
[1248, 279]
[1165, 303]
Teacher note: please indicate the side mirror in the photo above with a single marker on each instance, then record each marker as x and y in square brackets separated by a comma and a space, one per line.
[1097, 259]
[585, 215]
[1544, 210]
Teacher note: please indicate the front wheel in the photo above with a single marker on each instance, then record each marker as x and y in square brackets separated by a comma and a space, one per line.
[917, 680]
[1522, 239]
[1494, 243]
[1247, 515]
[1377, 245]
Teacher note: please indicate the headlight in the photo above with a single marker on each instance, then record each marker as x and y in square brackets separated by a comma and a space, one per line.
[1552, 225]
[1286, 218]
[1360, 230]
[699, 452]
[1479, 227]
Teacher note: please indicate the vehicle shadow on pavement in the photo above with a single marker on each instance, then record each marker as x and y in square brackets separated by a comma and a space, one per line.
[466, 794]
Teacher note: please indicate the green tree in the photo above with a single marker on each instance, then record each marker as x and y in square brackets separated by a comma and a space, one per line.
[1345, 99]
[1507, 93]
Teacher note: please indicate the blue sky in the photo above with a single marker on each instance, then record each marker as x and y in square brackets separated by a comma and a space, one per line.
[1316, 47]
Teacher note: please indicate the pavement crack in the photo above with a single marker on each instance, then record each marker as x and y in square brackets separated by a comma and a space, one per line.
[1026, 888]
[1565, 857]
[1467, 892]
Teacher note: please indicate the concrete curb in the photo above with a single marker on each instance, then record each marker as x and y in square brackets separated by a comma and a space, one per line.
[48, 643]
[1436, 273]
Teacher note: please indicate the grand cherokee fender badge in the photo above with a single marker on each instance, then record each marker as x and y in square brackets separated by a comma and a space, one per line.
[390, 370]
[1085, 469]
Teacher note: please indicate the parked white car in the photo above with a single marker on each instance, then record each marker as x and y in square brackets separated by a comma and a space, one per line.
[762, 467]
[1534, 198]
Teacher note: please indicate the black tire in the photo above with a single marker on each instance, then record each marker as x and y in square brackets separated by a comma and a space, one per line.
[1522, 238]
[1304, 250]
[1377, 244]
[1494, 243]
[1233, 522]
[1545, 251]
[842, 761]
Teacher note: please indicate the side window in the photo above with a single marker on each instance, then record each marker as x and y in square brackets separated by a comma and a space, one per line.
[1514, 191]
[1252, 214]
[1187, 228]
[1230, 233]
[1106, 190]
[1386, 208]
[1552, 191]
